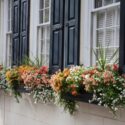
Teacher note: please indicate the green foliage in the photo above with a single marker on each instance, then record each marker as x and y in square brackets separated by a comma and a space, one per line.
[101, 57]
[35, 62]
[68, 104]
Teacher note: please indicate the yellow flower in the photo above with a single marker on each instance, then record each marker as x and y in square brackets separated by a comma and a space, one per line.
[12, 75]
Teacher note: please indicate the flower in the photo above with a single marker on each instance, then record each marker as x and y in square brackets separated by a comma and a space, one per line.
[12, 75]
[66, 72]
[115, 67]
[74, 93]
[108, 77]
[56, 82]
[43, 70]
[25, 68]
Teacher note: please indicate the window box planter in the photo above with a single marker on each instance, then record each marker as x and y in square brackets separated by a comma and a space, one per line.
[84, 97]
[22, 89]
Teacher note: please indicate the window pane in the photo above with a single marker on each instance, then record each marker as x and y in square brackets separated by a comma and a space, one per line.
[109, 37]
[41, 4]
[100, 38]
[46, 3]
[110, 18]
[100, 20]
[117, 0]
[118, 16]
[109, 54]
[117, 36]
[107, 2]
[41, 16]
[9, 15]
[46, 18]
[98, 3]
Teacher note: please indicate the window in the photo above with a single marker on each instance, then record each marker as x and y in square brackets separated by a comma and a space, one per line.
[106, 18]
[9, 35]
[44, 31]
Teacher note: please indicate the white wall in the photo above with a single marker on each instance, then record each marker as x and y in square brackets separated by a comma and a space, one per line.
[1, 31]
[28, 113]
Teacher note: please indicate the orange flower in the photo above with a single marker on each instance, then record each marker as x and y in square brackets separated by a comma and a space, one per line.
[66, 72]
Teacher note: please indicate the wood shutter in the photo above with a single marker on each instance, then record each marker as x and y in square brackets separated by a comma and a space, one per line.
[71, 32]
[56, 44]
[20, 30]
[24, 29]
[16, 32]
[122, 37]
[64, 49]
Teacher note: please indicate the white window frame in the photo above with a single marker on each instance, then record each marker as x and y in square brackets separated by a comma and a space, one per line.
[9, 36]
[93, 14]
[41, 26]
[88, 8]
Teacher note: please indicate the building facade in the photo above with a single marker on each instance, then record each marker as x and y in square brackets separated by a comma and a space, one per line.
[61, 33]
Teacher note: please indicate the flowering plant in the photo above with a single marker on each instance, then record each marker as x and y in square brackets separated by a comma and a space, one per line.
[107, 86]
[31, 78]
[13, 81]
[67, 81]
[38, 81]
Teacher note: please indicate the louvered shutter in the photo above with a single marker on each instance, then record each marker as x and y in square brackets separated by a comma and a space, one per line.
[56, 47]
[71, 32]
[16, 33]
[122, 37]
[24, 29]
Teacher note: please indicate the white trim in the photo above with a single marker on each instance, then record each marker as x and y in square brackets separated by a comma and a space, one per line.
[44, 24]
[85, 32]
[106, 7]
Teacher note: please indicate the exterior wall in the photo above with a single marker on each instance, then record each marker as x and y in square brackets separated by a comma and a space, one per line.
[28, 113]
[1, 30]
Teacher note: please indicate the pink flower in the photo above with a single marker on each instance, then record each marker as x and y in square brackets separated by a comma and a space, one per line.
[43, 70]
[115, 67]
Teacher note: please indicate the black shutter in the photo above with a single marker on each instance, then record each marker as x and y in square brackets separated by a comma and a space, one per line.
[56, 43]
[122, 37]
[20, 30]
[16, 32]
[24, 29]
[71, 32]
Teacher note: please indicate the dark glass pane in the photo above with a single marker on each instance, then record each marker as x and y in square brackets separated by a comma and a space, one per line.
[107, 2]
[41, 4]
[98, 3]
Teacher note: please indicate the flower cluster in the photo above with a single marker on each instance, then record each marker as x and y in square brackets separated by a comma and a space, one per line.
[12, 75]
[32, 78]
[69, 80]
[58, 79]
[106, 85]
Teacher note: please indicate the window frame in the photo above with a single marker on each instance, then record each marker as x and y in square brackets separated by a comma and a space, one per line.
[9, 34]
[93, 33]
[40, 27]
